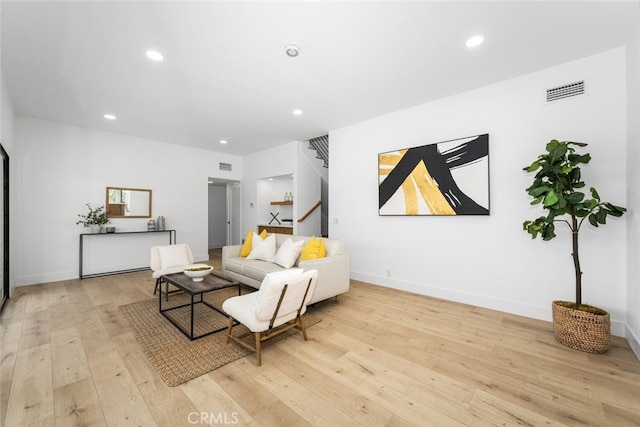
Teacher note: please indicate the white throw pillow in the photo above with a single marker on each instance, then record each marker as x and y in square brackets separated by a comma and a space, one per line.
[173, 255]
[288, 253]
[264, 249]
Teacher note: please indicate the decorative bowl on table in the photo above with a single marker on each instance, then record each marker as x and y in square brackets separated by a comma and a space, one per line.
[198, 271]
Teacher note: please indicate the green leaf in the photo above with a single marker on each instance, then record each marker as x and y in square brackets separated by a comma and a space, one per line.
[532, 167]
[575, 175]
[558, 152]
[562, 203]
[594, 193]
[601, 216]
[551, 145]
[575, 197]
[579, 144]
[548, 232]
[531, 228]
[550, 199]
[616, 211]
[537, 200]
[593, 220]
[581, 213]
[538, 191]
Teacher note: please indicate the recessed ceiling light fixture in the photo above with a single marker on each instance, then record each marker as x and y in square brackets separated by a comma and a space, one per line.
[154, 56]
[222, 141]
[475, 41]
[297, 112]
[109, 117]
[292, 50]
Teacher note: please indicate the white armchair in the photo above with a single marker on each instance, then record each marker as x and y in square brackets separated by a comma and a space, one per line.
[169, 259]
[275, 308]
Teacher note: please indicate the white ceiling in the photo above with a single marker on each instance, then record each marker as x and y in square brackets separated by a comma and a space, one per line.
[226, 76]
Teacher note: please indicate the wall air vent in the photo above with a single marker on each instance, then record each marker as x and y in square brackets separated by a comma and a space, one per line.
[225, 166]
[565, 91]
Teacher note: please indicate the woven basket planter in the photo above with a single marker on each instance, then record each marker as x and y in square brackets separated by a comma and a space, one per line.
[581, 330]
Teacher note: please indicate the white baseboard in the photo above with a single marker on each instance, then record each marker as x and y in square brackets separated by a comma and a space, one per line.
[513, 307]
[45, 278]
[633, 341]
[70, 275]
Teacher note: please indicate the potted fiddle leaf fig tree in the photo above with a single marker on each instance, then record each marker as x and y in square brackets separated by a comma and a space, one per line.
[557, 188]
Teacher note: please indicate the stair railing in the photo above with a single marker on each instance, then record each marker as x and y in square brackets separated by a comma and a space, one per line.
[310, 211]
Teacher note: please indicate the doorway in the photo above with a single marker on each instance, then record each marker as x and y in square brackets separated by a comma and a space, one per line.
[4, 227]
[224, 213]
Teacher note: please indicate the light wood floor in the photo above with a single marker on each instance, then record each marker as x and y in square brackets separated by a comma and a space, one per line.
[379, 357]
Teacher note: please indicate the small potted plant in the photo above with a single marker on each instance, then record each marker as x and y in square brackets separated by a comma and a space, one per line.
[95, 218]
[555, 187]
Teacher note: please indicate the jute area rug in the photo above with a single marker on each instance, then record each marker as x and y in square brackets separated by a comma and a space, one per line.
[178, 359]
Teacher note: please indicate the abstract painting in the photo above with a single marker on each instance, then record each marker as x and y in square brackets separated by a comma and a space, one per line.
[445, 178]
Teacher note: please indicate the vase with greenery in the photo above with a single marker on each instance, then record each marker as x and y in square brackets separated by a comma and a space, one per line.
[95, 218]
[556, 187]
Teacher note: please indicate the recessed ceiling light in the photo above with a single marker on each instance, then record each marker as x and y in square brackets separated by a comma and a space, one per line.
[222, 141]
[155, 56]
[292, 50]
[297, 112]
[475, 41]
[109, 117]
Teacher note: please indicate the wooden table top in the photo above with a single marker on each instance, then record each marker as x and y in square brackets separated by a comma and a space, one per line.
[210, 282]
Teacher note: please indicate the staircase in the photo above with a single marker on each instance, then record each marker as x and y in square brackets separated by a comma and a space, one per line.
[321, 145]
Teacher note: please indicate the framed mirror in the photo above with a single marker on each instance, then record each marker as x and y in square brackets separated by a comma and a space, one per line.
[128, 203]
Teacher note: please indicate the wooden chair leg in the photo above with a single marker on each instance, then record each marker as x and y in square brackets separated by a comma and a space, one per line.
[155, 290]
[166, 289]
[229, 329]
[259, 347]
[304, 330]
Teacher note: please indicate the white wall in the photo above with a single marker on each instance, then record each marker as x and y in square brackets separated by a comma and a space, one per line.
[61, 167]
[7, 140]
[489, 260]
[287, 159]
[262, 164]
[307, 194]
[6, 113]
[269, 190]
[633, 199]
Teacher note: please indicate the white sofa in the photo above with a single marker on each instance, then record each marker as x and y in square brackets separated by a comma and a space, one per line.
[333, 270]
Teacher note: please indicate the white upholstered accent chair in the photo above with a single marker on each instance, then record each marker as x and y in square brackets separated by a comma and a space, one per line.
[275, 308]
[169, 259]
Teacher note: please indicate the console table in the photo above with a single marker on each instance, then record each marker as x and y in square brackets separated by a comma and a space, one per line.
[172, 241]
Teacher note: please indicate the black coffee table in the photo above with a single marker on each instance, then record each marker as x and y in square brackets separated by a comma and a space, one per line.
[211, 282]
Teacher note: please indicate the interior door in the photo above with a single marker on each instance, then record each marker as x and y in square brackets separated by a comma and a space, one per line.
[4, 227]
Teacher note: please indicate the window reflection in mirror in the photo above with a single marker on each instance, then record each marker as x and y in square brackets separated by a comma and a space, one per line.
[128, 203]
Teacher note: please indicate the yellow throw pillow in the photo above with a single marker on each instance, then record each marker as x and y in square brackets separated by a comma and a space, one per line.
[246, 246]
[314, 249]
